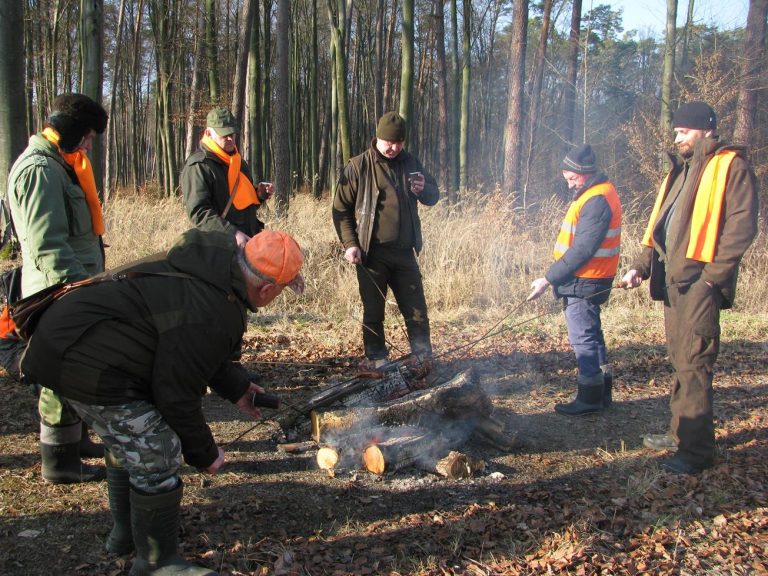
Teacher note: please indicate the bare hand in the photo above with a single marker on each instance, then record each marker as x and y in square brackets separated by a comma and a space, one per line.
[218, 463]
[245, 405]
[241, 238]
[538, 287]
[265, 190]
[353, 255]
[417, 181]
[631, 279]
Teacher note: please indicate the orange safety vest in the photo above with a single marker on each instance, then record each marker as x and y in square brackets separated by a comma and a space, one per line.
[707, 207]
[605, 261]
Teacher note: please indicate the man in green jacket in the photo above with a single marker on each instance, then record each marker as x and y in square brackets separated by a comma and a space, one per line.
[376, 215]
[217, 184]
[135, 356]
[704, 220]
[57, 216]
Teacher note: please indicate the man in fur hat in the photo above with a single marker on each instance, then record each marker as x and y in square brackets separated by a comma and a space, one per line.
[586, 259]
[57, 216]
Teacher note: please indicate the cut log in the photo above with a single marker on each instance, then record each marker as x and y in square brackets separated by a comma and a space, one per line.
[459, 465]
[346, 450]
[400, 451]
[460, 398]
[297, 447]
[490, 431]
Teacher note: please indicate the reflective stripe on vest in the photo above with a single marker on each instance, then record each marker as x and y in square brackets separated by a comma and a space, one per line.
[707, 207]
[605, 261]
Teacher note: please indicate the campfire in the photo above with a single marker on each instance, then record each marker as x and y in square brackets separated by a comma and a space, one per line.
[399, 416]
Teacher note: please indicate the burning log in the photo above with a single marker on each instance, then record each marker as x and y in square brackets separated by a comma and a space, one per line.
[401, 451]
[461, 397]
[345, 451]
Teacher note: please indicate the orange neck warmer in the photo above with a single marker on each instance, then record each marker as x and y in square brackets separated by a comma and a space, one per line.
[79, 162]
[241, 189]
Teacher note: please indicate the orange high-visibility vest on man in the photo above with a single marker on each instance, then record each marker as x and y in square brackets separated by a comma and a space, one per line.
[586, 259]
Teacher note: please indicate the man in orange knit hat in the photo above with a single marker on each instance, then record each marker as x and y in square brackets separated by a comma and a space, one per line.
[57, 215]
[135, 356]
[217, 185]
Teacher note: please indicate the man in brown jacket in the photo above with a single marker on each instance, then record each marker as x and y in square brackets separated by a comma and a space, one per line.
[704, 220]
[375, 212]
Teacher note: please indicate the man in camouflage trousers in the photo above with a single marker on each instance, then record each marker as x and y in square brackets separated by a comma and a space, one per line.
[135, 356]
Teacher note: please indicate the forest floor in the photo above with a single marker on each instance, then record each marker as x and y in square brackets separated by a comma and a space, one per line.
[576, 496]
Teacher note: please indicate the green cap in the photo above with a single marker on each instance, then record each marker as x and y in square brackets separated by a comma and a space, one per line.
[222, 121]
[391, 127]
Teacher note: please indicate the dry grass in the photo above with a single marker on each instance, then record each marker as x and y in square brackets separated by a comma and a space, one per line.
[478, 262]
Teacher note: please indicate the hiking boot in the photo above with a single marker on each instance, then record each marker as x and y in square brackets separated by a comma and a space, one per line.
[659, 442]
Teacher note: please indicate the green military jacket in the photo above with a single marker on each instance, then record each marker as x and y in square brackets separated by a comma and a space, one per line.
[52, 219]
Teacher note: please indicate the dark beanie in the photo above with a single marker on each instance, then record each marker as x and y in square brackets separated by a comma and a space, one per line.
[580, 160]
[73, 116]
[391, 127]
[695, 115]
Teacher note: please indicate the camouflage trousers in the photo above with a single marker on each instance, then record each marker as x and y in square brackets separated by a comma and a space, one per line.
[140, 440]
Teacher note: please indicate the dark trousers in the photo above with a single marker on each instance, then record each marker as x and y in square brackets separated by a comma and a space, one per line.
[585, 332]
[692, 324]
[398, 269]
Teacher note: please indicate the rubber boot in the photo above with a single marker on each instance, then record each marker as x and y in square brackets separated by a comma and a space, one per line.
[155, 524]
[589, 397]
[60, 454]
[607, 385]
[89, 448]
[120, 539]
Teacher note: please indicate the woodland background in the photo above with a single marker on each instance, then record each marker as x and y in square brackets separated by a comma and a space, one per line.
[495, 92]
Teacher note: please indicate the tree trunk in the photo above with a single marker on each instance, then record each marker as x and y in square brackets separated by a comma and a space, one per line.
[668, 72]
[441, 71]
[513, 131]
[13, 110]
[282, 109]
[211, 51]
[754, 60]
[110, 173]
[569, 90]
[91, 76]
[406, 70]
[466, 60]
[241, 68]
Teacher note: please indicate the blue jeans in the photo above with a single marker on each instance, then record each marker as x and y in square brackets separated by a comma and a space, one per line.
[585, 332]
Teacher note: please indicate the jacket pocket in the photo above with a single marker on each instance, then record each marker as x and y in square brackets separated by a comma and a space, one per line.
[78, 213]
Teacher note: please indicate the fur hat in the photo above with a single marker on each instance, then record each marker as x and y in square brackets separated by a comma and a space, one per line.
[580, 160]
[696, 116]
[73, 116]
[391, 127]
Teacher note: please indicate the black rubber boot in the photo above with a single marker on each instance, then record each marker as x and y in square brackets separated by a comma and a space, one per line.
[60, 454]
[155, 524]
[607, 385]
[120, 539]
[89, 448]
[589, 397]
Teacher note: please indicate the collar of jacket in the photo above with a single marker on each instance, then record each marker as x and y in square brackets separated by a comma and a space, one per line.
[597, 178]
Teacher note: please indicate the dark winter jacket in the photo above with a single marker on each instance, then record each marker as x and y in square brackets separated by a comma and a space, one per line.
[668, 265]
[373, 203]
[158, 338]
[205, 188]
[590, 231]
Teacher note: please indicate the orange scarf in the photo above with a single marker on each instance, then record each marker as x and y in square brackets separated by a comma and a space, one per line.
[244, 193]
[79, 162]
